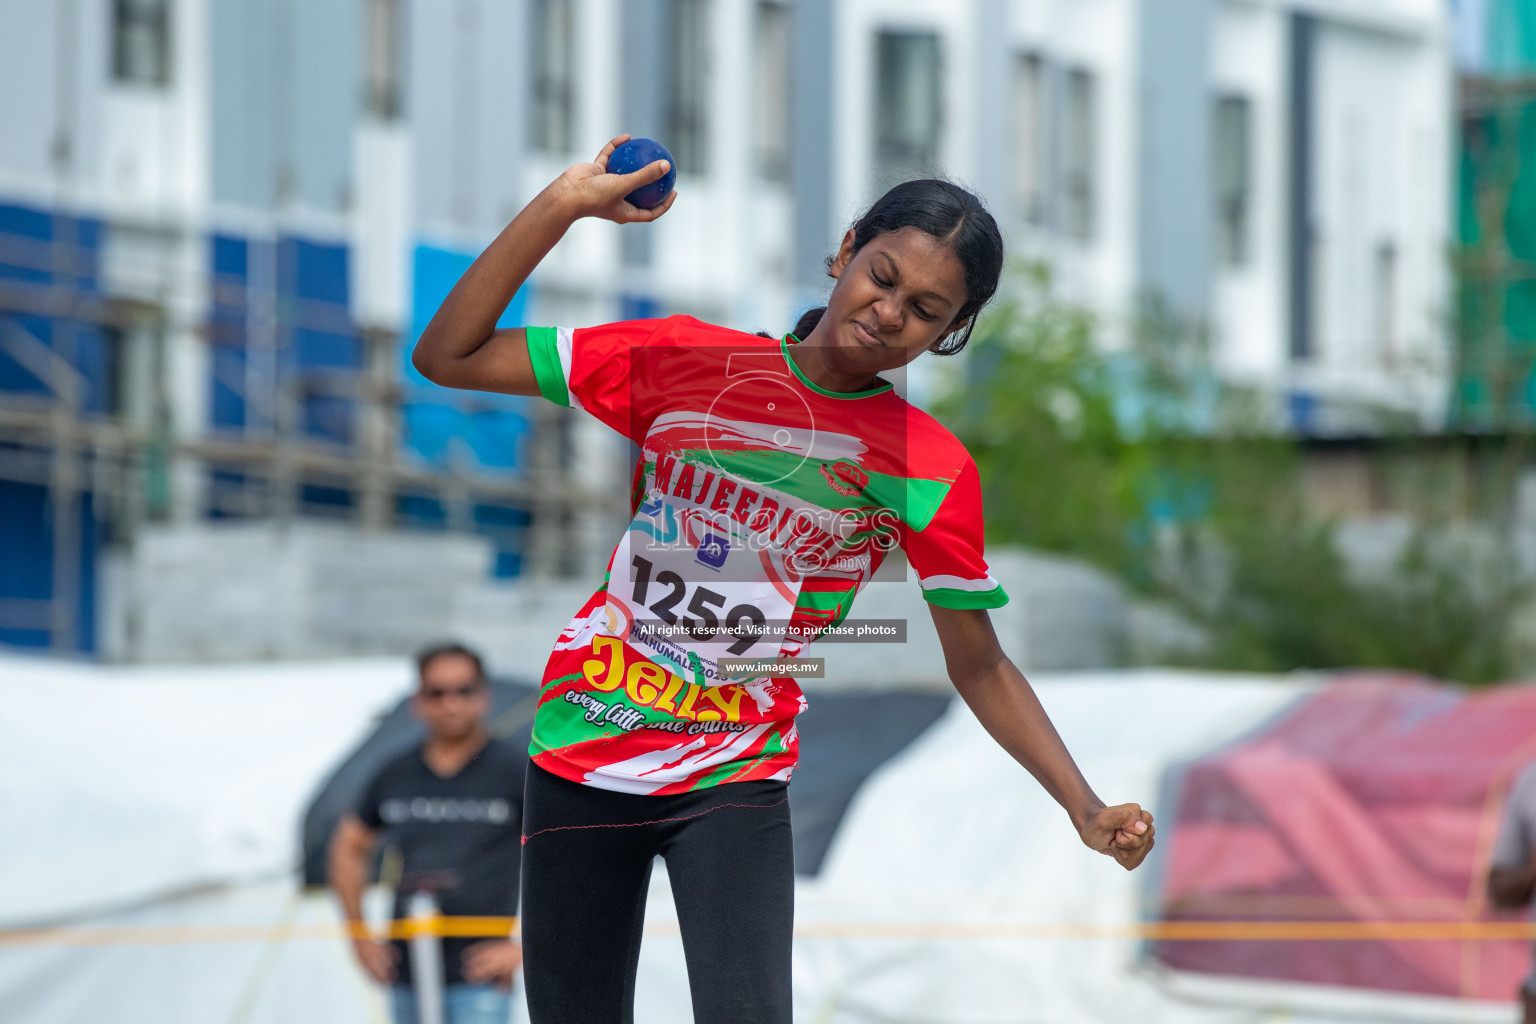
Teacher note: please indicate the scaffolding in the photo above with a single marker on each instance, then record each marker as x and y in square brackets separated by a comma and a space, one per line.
[1496, 258]
[102, 433]
[119, 336]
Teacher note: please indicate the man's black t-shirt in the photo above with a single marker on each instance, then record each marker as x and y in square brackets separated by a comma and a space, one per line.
[460, 837]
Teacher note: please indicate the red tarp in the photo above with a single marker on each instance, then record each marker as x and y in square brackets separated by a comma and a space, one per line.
[1377, 799]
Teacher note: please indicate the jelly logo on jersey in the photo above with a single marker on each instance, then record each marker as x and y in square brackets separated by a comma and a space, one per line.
[844, 477]
[648, 685]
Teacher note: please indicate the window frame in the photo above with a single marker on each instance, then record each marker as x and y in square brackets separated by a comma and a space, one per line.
[899, 155]
[144, 20]
[1232, 178]
[552, 124]
[770, 148]
[1031, 156]
[688, 109]
[383, 78]
[1080, 154]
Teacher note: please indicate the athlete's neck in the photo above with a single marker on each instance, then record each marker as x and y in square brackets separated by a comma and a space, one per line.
[811, 357]
[447, 755]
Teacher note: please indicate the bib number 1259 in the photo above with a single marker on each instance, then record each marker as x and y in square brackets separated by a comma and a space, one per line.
[704, 616]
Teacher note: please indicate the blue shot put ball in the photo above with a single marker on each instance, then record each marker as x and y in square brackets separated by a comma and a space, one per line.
[631, 156]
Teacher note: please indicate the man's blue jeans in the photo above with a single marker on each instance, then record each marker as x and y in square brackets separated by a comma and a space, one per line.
[463, 1004]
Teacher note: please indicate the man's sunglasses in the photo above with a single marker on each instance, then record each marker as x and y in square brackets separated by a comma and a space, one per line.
[439, 692]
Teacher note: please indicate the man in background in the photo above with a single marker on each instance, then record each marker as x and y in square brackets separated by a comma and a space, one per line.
[452, 807]
[1512, 877]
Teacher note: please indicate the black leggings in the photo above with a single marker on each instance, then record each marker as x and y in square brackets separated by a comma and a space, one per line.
[587, 857]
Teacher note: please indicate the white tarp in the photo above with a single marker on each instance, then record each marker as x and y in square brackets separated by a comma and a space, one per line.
[120, 786]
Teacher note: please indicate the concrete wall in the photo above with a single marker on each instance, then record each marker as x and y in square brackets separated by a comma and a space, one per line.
[232, 592]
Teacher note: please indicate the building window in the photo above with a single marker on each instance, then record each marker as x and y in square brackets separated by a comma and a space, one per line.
[773, 77]
[688, 86]
[1385, 273]
[1232, 176]
[141, 41]
[1080, 154]
[1031, 167]
[383, 92]
[554, 75]
[908, 105]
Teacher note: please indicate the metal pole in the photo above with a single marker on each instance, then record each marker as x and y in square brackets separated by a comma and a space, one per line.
[63, 482]
[426, 959]
[377, 414]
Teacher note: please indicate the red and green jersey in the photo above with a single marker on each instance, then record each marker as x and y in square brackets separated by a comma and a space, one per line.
[761, 504]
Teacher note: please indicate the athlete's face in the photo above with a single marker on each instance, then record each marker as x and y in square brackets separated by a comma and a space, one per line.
[452, 698]
[895, 299]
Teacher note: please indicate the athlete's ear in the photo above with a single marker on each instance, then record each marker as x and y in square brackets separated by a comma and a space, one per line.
[844, 254]
[958, 325]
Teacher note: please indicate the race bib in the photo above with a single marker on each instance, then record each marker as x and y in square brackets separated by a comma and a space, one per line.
[682, 581]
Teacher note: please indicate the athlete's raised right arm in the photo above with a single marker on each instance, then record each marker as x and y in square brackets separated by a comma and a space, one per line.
[461, 347]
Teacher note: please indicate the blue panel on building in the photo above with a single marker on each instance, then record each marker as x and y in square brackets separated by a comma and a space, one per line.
[227, 392]
[638, 307]
[26, 221]
[225, 488]
[44, 254]
[484, 431]
[508, 528]
[316, 270]
[429, 430]
[227, 321]
[27, 565]
[313, 331]
[420, 512]
[43, 246]
[14, 375]
[26, 556]
[230, 257]
[335, 498]
[315, 283]
[88, 348]
[330, 417]
[496, 438]
[1303, 408]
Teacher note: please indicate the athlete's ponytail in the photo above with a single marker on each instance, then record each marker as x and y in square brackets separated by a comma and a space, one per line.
[948, 212]
[808, 321]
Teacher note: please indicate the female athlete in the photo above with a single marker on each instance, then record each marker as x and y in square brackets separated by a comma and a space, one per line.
[774, 478]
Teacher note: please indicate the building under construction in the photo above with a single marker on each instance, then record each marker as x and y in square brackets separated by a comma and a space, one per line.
[1496, 257]
[223, 224]
[211, 275]
[222, 227]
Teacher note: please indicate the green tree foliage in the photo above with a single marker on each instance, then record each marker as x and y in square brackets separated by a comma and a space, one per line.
[1142, 463]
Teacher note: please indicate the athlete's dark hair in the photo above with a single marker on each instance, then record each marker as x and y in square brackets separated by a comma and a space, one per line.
[428, 655]
[949, 213]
